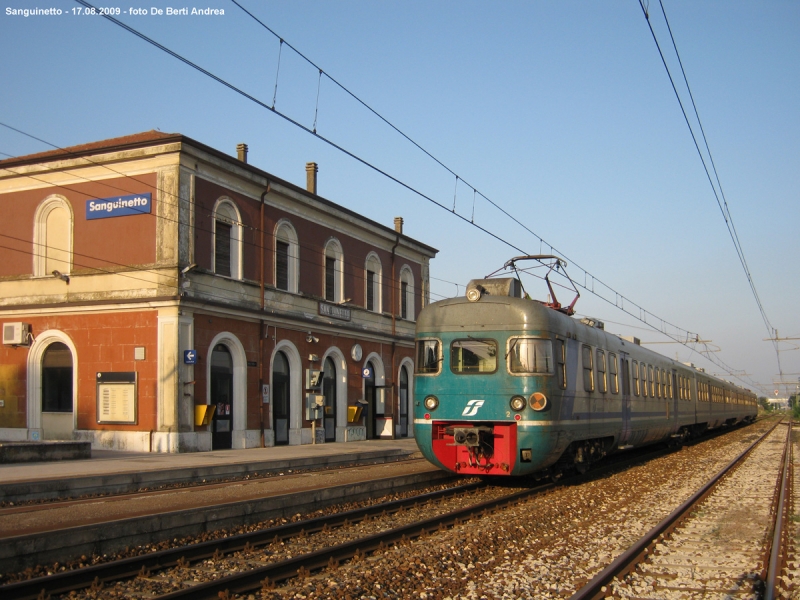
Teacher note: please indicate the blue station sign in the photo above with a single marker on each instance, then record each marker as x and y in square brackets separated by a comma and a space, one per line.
[119, 206]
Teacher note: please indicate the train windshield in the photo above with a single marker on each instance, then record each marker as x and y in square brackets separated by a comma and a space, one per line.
[530, 355]
[428, 356]
[473, 356]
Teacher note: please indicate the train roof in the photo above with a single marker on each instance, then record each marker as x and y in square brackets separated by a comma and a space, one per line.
[494, 312]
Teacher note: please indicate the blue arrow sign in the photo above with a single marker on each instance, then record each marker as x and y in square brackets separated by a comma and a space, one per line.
[190, 357]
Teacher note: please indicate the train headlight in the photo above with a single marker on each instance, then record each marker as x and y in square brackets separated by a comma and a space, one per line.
[474, 294]
[517, 403]
[431, 402]
[538, 401]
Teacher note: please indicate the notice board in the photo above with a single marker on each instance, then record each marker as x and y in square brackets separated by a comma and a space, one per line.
[117, 398]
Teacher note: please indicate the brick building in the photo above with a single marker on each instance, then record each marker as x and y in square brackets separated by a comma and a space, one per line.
[159, 295]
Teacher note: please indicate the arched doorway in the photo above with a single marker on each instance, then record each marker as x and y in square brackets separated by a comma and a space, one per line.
[376, 405]
[369, 397]
[403, 402]
[57, 378]
[329, 391]
[280, 399]
[222, 397]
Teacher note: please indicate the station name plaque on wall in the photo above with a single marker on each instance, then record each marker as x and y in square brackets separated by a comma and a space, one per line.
[116, 397]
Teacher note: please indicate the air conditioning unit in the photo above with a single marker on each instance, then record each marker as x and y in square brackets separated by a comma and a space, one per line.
[16, 334]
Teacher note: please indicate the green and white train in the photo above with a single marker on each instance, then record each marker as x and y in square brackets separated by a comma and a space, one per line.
[506, 385]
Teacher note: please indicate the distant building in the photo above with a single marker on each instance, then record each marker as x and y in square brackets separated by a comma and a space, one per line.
[778, 403]
[159, 295]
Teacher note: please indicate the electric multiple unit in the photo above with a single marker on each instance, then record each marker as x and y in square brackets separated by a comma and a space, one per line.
[506, 385]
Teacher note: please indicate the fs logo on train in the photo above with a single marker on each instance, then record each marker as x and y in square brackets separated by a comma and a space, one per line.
[472, 408]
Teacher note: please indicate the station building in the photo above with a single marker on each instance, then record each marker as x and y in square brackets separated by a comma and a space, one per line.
[159, 295]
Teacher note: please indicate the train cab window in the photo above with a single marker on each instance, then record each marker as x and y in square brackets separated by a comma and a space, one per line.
[635, 378]
[588, 369]
[429, 356]
[613, 378]
[561, 359]
[472, 356]
[602, 382]
[530, 355]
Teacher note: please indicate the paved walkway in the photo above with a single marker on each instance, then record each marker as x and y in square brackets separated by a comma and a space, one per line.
[109, 462]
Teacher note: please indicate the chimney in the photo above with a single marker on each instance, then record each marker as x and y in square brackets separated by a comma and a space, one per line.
[398, 224]
[311, 177]
[241, 152]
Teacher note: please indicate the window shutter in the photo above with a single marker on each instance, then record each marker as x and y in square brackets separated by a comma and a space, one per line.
[222, 249]
[282, 266]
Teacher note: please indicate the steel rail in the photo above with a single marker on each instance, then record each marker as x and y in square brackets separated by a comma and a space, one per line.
[333, 555]
[76, 579]
[628, 560]
[777, 555]
[277, 572]
[67, 581]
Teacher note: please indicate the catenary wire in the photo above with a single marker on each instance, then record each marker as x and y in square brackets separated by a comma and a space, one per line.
[619, 299]
[723, 209]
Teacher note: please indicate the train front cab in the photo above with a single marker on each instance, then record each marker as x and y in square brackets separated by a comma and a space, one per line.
[483, 401]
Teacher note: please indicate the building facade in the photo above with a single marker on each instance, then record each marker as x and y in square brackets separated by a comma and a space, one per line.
[159, 295]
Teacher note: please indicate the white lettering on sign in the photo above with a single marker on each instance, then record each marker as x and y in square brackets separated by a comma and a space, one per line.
[334, 311]
[111, 205]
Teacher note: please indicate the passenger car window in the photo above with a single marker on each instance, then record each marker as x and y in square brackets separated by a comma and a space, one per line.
[612, 373]
[635, 378]
[601, 371]
[530, 355]
[561, 357]
[588, 368]
[473, 356]
[429, 357]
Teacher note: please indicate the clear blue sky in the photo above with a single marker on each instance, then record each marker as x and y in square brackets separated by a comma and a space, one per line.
[561, 112]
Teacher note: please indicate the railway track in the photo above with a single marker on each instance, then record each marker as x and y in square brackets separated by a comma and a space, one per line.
[243, 562]
[449, 546]
[275, 541]
[727, 540]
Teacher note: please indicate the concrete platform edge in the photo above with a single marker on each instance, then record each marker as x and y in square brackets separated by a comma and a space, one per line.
[18, 553]
[73, 487]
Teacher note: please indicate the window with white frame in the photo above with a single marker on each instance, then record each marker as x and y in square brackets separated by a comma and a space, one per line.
[373, 275]
[333, 275]
[406, 293]
[227, 247]
[52, 237]
[287, 257]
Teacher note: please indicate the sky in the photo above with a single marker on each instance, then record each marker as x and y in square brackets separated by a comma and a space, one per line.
[559, 112]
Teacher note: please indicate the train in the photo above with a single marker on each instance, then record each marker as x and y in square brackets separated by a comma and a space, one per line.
[509, 386]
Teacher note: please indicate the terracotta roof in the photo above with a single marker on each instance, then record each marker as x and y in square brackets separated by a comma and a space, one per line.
[119, 143]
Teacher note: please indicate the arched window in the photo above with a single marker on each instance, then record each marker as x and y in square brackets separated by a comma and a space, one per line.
[333, 282]
[227, 239]
[52, 237]
[287, 257]
[373, 278]
[406, 293]
[280, 399]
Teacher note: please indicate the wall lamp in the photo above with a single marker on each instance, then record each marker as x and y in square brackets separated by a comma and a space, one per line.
[61, 276]
[311, 339]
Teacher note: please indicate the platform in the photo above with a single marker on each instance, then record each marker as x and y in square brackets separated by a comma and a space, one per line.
[109, 471]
